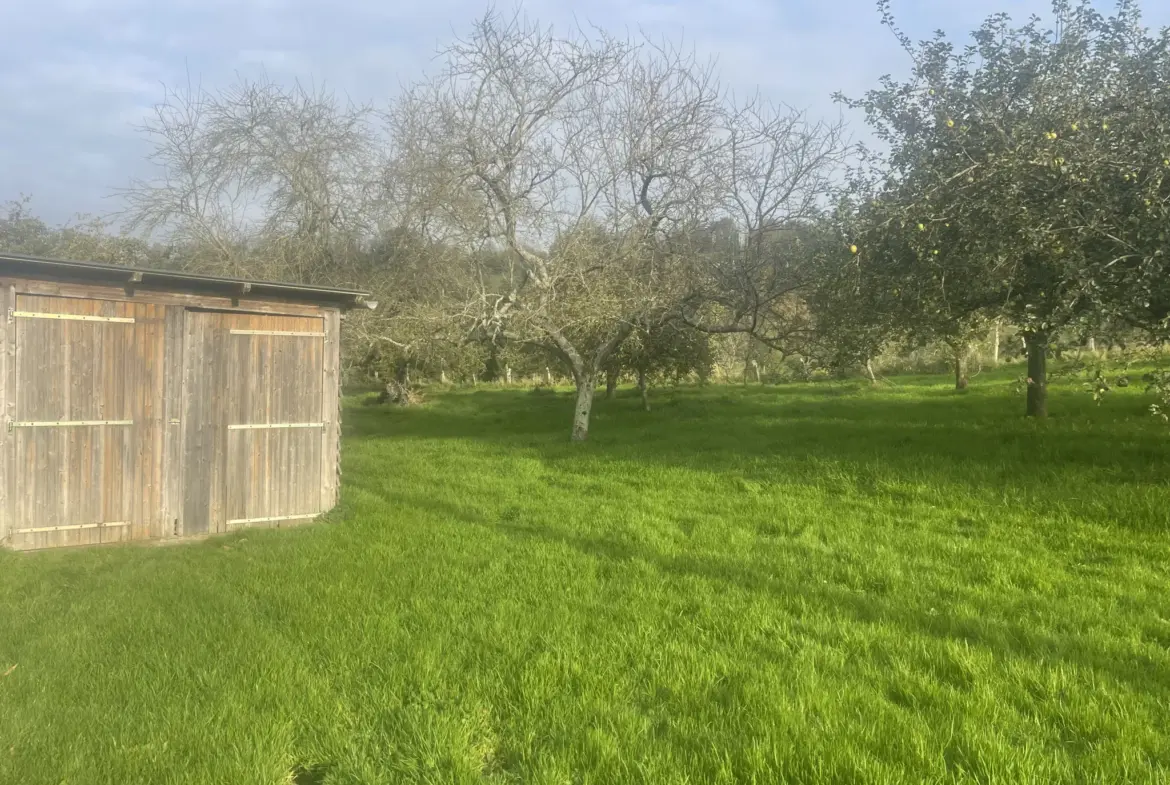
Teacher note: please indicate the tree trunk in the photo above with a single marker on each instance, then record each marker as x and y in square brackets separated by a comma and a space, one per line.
[756, 370]
[611, 383]
[508, 375]
[961, 368]
[585, 385]
[1037, 374]
[442, 377]
[644, 389]
[872, 375]
[1092, 345]
[548, 375]
[995, 345]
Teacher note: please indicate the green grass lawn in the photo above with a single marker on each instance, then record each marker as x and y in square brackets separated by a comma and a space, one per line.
[807, 584]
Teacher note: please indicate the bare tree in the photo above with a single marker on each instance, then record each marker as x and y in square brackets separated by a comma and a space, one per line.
[578, 155]
[773, 178]
[561, 191]
[259, 179]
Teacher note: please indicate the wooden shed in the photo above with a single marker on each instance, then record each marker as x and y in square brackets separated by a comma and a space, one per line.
[149, 404]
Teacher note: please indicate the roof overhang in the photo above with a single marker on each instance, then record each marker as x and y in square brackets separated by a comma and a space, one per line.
[22, 266]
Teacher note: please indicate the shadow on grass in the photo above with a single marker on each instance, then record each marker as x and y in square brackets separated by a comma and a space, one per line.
[877, 606]
[1137, 671]
[309, 775]
[844, 436]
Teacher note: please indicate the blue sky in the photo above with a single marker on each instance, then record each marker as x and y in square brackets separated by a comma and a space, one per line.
[77, 75]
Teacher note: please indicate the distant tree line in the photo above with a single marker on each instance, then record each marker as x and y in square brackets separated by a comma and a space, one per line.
[592, 208]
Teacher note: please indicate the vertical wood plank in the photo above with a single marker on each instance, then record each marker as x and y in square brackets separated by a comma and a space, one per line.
[279, 438]
[259, 442]
[219, 404]
[264, 442]
[330, 459]
[156, 392]
[131, 436]
[6, 336]
[172, 420]
[195, 470]
[237, 401]
[16, 500]
[64, 373]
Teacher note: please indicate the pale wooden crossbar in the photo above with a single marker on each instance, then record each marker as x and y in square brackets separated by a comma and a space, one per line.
[246, 521]
[72, 528]
[278, 332]
[268, 425]
[70, 423]
[72, 317]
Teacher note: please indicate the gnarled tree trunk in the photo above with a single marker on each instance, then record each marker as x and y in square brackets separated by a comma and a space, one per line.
[1037, 344]
[587, 372]
[585, 385]
[961, 380]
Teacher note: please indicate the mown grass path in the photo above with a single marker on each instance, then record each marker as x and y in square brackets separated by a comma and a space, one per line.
[821, 584]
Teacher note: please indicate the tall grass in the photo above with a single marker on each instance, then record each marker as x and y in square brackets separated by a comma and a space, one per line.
[822, 584]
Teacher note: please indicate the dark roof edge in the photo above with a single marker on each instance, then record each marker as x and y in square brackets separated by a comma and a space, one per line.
[35, 266]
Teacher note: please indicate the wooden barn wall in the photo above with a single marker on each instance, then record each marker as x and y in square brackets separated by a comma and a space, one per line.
[86, 438]
[145, 415]
[254, 420]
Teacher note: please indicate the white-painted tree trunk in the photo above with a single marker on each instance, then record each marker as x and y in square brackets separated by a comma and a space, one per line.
[548, 375]
[508, 375]
[995, 345]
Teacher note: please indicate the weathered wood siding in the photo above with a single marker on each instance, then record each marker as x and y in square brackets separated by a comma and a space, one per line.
[173, 392]
[7, 351]
[331, 412]
[144, 415]
[254, 416]
[86, 430]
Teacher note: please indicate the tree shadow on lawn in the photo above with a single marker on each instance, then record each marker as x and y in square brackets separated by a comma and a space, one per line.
[910, 615]
[1136, 670]
[849, 442]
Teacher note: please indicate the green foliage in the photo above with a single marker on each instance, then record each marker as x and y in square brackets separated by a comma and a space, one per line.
[664, 352]
[1158, 383]
[1026, 176]
[89, 238]
[796, 584]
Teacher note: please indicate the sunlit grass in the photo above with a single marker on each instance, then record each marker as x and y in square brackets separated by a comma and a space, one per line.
[824, 584]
